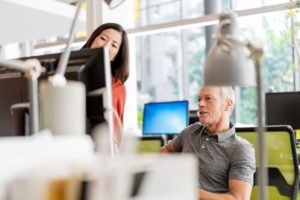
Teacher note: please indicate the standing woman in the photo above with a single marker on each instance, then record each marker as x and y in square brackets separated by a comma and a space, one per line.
[114, 37]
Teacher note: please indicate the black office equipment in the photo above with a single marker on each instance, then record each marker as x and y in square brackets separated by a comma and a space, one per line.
[86, 65]
[193, 116]
[165, 117]
[283, 108]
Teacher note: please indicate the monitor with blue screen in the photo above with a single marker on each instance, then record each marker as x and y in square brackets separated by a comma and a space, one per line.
[165, 117]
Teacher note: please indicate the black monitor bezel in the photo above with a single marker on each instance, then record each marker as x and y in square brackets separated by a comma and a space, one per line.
[283, 113]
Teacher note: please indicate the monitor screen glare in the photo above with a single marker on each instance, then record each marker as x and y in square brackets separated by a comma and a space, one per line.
[165, 117]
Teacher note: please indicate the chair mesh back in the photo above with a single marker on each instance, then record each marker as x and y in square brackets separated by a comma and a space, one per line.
[151, 144]
[281, 158]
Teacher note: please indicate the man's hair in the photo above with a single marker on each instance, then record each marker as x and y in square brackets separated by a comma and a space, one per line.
[227, 92]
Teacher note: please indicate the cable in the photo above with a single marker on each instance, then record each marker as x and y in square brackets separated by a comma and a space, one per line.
[120, 128]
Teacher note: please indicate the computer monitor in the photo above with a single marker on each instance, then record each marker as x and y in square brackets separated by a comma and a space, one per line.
[86, 65]
[165, 117]
[283, 108]
[193, 116]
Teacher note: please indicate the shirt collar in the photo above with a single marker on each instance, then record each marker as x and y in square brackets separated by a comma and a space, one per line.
[224, 135]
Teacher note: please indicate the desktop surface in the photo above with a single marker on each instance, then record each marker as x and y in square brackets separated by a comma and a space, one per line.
[165, 117]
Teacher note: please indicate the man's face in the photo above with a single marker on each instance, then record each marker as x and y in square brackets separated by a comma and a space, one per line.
[211, 105]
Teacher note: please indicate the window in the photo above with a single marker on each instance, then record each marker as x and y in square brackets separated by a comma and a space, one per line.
[242, 4]
[170, 65]
[277, 73]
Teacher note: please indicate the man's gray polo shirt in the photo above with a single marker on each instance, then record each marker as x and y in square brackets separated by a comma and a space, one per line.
[221, 157]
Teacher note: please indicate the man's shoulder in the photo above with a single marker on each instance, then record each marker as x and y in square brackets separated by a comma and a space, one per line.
[240, 144]
[186, 136]
[242, 141]
[194, 127]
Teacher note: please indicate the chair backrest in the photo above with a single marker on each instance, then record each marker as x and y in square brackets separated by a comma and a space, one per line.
[151, 143]
[282, 162]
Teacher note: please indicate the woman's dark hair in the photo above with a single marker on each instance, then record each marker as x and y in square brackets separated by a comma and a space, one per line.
[120, 65]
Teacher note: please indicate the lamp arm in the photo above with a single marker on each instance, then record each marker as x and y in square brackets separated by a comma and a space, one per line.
[230, 49]
[256, 55]
[58, 79]
[229, 39]
[256, 51]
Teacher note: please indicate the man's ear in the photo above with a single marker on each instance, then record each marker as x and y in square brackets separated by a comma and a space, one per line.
[228, 104]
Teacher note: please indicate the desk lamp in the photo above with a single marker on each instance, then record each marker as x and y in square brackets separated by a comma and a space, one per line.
[228, 64]
[58, 80]
[32, 70]
[62, 103]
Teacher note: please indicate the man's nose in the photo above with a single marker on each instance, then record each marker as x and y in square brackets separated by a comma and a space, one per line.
[201, 103]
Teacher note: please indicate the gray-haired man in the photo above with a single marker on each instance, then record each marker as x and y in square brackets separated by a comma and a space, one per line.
[226, 161]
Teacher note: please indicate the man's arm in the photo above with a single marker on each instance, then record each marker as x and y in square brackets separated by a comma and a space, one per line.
[167, 148]
[238, 190]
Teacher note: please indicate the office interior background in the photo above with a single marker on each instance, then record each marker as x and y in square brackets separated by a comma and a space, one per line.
[168, 43]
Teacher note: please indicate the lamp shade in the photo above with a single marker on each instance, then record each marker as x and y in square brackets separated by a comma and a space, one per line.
[228, 61]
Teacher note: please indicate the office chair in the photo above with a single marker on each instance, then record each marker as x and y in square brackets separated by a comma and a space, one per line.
[151, 143]
[282, 161]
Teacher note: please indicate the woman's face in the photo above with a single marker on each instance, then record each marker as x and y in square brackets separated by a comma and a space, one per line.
[110, 38]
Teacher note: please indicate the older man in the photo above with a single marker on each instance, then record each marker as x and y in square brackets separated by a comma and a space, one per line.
[226, 161]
